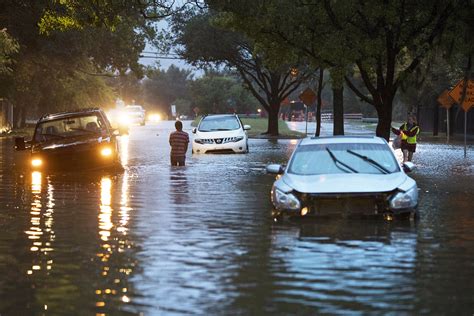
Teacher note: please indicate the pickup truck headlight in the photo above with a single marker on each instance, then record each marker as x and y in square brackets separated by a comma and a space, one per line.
[408, 199]
[285, 201]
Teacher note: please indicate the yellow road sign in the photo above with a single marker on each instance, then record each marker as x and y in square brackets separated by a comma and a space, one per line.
[308, 96]
[445, 100]
[457, 92]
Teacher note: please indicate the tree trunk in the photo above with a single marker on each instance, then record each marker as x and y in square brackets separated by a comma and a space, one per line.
[273, 120]
[19, 118]
[338, 105]
[384, 112]
[318, 105]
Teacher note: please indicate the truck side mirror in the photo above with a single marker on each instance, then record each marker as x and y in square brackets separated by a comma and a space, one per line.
[20, 143]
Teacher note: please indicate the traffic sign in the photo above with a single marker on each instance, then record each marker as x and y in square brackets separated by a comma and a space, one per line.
[457, 92]
[308, 96]
[445, 100]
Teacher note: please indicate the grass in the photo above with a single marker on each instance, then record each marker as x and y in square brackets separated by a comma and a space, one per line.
[260, 125]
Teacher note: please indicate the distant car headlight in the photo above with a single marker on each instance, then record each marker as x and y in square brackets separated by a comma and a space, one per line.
[408, 199]
[285, 201]
[124, 119]
[36, 162]
[106, 152]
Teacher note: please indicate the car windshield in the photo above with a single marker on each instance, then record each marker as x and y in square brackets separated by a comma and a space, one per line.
[219, 123]
[346, 158]
[70, 127]
[134, 109]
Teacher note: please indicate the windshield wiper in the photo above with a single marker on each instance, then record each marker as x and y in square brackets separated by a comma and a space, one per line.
[85, 130]
[336, 161]
[48, 134]
[369, 160]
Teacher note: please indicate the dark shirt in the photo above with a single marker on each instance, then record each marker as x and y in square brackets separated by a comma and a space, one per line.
[179, 143]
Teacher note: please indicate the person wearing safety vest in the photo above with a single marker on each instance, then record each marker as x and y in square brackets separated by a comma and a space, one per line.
[408, 131]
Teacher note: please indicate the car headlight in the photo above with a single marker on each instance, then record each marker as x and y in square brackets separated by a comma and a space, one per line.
[106, 152]
[285, 201]
[408, 199]
[198, 140]
[36, 162]
[237, 139]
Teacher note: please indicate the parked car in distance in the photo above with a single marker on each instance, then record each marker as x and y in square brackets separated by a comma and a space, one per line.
[77, 140]
[220, 133]
[343, 176]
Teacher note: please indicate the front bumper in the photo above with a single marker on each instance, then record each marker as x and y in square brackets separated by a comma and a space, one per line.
[232, 147]
[72, 160]
[346, 206]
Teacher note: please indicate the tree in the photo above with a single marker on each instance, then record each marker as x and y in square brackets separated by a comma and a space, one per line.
[51, 68]
[218, 92]
[204, 43]
[162, 88]
[8, 47]
[385, 41]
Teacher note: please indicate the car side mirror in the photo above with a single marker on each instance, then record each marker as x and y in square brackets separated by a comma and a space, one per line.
[275, 169]
[20, 143]
[194, 130]
[247, 127]
[408, 166]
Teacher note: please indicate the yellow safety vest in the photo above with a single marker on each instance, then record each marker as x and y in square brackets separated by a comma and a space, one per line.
[412, 139]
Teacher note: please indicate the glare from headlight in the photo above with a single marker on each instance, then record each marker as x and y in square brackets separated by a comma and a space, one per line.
[285, 201]
[124, 119]
[106, 152]
[36, 162]
[408, 199]
[154, 117]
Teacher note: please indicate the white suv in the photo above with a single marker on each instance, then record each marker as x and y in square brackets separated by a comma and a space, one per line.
[220, 134]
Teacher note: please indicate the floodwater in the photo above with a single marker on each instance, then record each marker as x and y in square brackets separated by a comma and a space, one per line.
[156, 240]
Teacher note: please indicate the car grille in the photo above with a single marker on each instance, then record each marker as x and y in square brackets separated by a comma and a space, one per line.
[220, 151]
[219, 141]
[347, 205]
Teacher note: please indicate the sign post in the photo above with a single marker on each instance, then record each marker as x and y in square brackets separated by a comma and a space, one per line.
[463, 94]
[307, 97]
[446, 102]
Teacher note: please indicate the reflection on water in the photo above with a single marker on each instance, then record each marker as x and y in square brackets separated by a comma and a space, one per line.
[41, 233]
[156, 240]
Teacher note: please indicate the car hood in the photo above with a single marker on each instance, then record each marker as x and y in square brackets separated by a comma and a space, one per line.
[70, 142]
[219, 134]
[346, 183]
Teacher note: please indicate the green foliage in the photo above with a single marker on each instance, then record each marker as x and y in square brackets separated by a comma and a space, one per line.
[8, 47]
[220, 94]
[162, 88]
[68, 50]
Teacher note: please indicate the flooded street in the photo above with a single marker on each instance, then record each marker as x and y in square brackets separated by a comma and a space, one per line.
[157, 240]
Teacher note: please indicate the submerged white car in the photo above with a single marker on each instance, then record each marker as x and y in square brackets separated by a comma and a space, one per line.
[220, 133]
[344, 176]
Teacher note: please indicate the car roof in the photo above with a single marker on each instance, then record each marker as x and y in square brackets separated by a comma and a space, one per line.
[218, 115]
[61, 115]
[342, 140]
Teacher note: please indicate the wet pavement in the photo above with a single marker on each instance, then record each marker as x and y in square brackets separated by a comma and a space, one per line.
[157, 240]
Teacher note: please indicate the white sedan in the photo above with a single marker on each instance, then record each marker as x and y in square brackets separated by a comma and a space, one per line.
[344, 176]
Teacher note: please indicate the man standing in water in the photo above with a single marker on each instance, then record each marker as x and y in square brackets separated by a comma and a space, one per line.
[179, 141]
